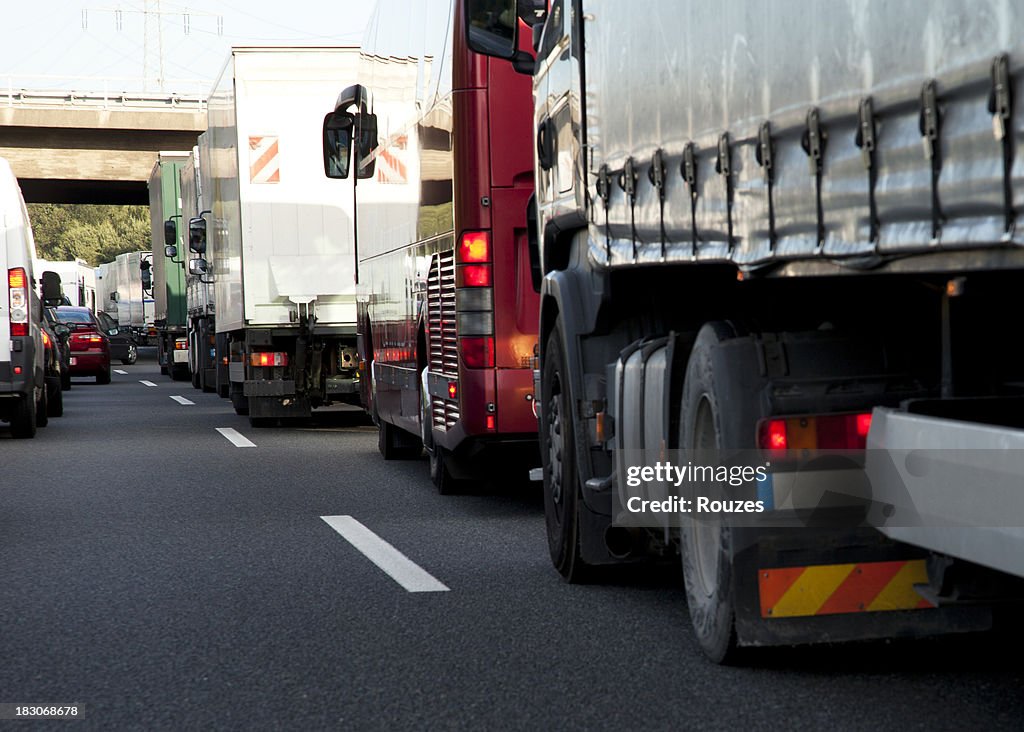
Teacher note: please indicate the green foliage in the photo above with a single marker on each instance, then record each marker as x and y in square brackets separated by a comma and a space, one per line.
[96, 234]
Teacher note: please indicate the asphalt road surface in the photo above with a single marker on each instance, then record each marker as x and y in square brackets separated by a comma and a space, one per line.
[159, 576]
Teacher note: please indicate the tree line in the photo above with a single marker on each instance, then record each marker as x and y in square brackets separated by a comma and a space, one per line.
[94, 233]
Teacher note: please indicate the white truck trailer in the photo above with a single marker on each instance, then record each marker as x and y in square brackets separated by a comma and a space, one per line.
[198, 287]
[122, 294]
[785, 234]
[77, 280]
[279, 237]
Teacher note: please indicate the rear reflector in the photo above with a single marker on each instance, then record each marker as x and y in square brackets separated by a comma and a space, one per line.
[453, 390]
[815, 432]
[833, 589]
[181, 345]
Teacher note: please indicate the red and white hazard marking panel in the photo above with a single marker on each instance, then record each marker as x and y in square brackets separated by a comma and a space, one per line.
[264, 160]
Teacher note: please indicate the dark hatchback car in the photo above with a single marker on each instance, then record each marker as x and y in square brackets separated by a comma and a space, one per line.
[90, 349]
[122, 342]
[55, 374]
[63, 334]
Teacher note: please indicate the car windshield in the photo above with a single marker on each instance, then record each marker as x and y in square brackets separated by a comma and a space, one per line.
[106, 321]
[76, 317]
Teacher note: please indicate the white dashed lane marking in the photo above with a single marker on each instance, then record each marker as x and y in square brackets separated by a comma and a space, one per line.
[391, 561]
[182, 400]
[235, 438]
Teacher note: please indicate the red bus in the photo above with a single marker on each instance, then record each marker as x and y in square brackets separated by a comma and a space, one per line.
[439, 139]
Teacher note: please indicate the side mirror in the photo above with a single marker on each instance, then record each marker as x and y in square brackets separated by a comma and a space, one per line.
[197, 267]
[145, 268]
[170, 251]
[337, 142]
[492, 28]
[170, 232]
[51, 287]
[197, 235]
[366, 143]
[114, 297]
[62, 330]
[112, 331]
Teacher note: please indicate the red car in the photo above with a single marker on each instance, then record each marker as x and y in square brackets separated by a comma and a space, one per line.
[90, 349]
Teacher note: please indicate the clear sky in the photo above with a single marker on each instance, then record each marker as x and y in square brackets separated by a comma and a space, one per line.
[50, 44]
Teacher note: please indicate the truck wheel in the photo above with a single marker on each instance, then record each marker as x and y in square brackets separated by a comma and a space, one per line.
[558, 455]
[239, 401]
[196, 381]
[23, 421]
[395, 443]
[706, 545]
[441, 476]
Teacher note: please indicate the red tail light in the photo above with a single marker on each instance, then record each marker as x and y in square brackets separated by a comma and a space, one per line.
[776, 435]
[475, 275]
[475, 246]
[268, 358]
[815, 432]
[453, 390]
[478, 353]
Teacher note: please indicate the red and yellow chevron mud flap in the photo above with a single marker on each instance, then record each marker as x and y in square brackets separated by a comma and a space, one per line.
[793, 587]
[829, 589]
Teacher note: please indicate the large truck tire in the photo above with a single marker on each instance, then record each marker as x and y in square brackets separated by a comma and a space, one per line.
[239, 401]
[710, 420]
[441, 474]
[397, 444]
[558, 455]
[23, 420]
[180, 372]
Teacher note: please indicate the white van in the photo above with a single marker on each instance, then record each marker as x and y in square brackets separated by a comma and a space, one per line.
[22, 380]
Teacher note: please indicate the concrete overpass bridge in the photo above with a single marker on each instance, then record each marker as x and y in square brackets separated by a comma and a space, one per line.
[96, 146]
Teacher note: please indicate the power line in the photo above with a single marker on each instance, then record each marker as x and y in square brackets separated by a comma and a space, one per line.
[152, 17]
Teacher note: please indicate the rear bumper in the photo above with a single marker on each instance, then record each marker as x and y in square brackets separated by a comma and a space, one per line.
[88, 363]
